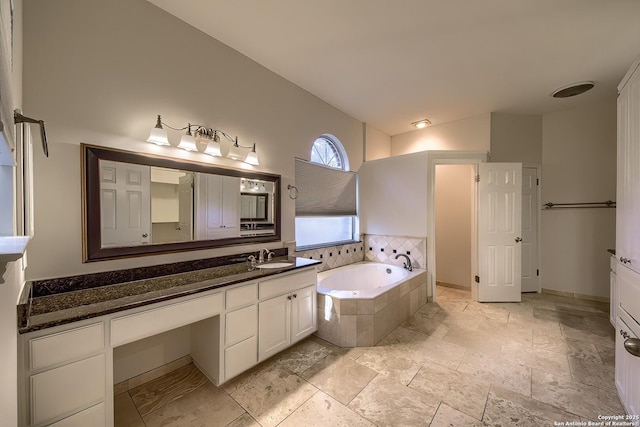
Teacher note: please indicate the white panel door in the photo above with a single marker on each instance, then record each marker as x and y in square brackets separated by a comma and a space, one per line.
[125, 204]
[499, 231]
[529, 230]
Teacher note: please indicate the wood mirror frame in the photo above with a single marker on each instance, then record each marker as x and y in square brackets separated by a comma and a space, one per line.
[91, 222]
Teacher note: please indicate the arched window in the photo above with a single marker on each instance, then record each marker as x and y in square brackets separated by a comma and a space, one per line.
[326, 229]
[327, 150]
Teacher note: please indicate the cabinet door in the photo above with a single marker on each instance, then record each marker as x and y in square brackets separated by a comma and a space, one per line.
[304, 319]
[274, 320]
[628, 174]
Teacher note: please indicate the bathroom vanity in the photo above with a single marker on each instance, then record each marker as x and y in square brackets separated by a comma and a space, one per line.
[237, 317]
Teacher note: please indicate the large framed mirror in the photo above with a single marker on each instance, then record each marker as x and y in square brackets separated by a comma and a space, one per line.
[142, 204]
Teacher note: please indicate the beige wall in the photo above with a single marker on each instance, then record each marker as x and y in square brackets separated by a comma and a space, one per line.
[393, 196]
[578, 165]
[471, 134]
[102, 81]
[378, 144]
[453, 207]
[516, 138]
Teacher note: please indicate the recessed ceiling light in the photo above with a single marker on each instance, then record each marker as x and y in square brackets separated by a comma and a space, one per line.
[573, 89]
[421, 123]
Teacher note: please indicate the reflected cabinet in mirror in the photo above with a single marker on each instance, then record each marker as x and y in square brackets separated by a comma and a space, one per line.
[142, 204]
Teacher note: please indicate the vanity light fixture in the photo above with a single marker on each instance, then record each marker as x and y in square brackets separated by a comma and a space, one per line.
[158, 135]
[204, 135]
[421, 124]
[188, 142]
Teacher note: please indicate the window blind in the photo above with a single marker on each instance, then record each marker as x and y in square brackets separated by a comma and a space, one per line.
[325, 191]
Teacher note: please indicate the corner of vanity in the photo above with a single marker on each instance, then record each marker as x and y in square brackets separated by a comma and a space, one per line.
[238, 316]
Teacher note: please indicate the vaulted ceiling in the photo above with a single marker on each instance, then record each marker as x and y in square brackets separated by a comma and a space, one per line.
[390, 63]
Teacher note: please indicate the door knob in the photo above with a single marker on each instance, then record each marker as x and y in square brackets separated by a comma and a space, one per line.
[632, 345]
[518, 239]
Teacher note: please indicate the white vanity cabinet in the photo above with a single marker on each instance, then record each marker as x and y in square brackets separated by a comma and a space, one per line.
[65, 376]
[65, 373]
[287, 311]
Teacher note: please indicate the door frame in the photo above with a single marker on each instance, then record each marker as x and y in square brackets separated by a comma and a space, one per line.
[435, 158]
[538, 169]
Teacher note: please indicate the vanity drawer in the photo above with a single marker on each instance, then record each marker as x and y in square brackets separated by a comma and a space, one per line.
[83, 382]
[68, 345]
[241, 324]
[242, 295]
[281, 285]
[131, 328]
[240, 357]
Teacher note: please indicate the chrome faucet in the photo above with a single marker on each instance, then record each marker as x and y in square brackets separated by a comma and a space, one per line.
[262, 253]
[407, 264]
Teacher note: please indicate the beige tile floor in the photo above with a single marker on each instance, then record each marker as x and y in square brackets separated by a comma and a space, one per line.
[454, 363]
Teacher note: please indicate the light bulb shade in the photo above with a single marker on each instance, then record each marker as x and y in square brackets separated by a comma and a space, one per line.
[234, 153]
[158, 136]
[252, 157]
[213, 148]
[188, 142]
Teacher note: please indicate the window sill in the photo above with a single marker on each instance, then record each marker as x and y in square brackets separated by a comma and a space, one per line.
[326, 245]
[12, 248]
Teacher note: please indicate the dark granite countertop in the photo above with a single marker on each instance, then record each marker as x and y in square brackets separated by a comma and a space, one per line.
[47, 303]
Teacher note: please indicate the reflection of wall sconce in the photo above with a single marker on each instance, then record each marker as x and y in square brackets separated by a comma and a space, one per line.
[203, 135]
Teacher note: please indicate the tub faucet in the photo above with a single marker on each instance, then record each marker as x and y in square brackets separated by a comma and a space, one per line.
[407, 264]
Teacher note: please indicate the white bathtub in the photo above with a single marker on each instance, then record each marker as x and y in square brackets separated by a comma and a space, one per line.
[362, 280]
[361, 303]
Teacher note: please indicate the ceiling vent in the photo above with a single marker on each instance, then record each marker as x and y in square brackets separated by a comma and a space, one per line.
[573, 89]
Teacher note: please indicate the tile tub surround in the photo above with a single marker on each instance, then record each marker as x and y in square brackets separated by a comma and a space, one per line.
[335, 256]
[421, 374]
[385, 248]
[365, 322]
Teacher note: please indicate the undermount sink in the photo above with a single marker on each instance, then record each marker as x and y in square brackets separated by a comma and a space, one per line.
[275, 265]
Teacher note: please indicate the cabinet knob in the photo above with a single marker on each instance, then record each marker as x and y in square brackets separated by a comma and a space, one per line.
[295, 295]
[518, 239]
[624, 334]
[145, 235]
[289, 297]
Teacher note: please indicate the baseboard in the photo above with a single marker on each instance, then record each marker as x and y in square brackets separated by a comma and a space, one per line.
[134, 382]
[453, 286]
[576, 295]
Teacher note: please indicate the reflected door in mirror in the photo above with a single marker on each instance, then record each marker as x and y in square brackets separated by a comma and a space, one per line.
[217, 206]
[125, 196]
